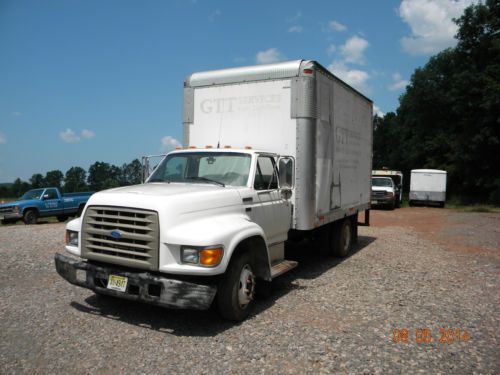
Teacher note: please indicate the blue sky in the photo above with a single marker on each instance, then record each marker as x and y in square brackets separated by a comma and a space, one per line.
[101, 80]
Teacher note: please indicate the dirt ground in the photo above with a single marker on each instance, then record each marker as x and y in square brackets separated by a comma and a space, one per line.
[412, 269]
[455, 230]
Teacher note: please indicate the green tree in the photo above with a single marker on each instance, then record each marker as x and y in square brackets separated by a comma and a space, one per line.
[37, 181]
[449, 116]
[132, 173]
[19, 187]
[74, 180]
[54, 178]
[103, 176]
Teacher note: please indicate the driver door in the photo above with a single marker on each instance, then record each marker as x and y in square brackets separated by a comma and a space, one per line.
[270, 210]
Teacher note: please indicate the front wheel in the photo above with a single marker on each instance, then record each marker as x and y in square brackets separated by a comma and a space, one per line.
[235, 297]
[30, 217]
[62, 218]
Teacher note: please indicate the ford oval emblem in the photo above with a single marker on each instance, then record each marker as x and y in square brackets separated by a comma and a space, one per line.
[116, 234]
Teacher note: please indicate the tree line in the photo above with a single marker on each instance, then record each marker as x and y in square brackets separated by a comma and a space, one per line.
[449, 116]
[99, 176]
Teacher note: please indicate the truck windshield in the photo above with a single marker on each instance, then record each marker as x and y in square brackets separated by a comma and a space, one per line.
[32, 194]
[382, 181]
[222, 168]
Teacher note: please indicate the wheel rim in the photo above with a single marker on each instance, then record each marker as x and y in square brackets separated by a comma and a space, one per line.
[246, 287]
[346, 238]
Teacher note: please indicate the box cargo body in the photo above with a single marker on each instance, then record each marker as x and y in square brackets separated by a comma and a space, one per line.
[428, 185]
[297, 109]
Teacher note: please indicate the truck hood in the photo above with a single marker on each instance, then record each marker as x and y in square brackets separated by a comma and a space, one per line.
[172, 199]
[20, 203]
[383, 188]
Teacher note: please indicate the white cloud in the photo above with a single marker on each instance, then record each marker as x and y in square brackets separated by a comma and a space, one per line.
[377, 111]
[269, 56]
[168, 143]
[87, 134]
[354, 77]
[336, 26]
[353, 50]
[69, 136]
[398, 82]
[431, 24]
[331, 49]
[295, 29]
[3, 139]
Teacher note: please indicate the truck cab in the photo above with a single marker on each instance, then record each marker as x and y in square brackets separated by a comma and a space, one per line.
[213, 205]
[384, 192]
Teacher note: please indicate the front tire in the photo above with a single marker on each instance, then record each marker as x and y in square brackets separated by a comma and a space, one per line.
[62, 218]
[30, 217]
[235, 297]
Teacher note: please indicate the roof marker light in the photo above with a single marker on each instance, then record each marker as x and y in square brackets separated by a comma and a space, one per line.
[227, 146]
[192, 147]
[308, 71]
[209, 146]
[248, 147]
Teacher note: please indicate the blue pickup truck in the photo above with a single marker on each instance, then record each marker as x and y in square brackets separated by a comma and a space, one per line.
[43, 202]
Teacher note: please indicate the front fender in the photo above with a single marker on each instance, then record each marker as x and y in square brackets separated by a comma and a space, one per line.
[225, 230]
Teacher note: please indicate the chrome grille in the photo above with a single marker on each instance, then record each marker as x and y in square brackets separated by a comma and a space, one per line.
[124, 236]
[5, 210]
[379, 194]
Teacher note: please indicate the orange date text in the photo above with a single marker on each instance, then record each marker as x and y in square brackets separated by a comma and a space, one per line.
[426, 336]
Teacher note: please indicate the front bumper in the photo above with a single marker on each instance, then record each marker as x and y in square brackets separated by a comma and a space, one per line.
[382, 201]
[10, 215]
[142, 286]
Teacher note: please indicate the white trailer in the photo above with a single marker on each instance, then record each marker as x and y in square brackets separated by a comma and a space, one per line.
[428, 186]
[271, 153]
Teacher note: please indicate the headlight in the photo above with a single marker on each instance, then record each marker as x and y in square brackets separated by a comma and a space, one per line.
[15, 209]
[206, 257]
[71, 238]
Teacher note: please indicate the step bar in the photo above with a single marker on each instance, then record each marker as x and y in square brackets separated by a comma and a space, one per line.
[282, 267]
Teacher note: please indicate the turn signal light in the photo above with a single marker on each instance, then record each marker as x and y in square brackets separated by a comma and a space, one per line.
[210, 257]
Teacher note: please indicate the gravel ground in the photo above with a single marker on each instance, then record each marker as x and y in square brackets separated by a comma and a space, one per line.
[326, 316]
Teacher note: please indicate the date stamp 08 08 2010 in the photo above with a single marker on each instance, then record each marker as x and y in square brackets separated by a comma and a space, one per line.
[424, 336]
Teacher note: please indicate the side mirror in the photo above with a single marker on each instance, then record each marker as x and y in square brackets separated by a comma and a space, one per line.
[286, 175]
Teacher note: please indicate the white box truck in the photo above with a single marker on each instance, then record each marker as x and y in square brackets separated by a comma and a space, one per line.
[271, 152]
[389, 194]
[428, 186]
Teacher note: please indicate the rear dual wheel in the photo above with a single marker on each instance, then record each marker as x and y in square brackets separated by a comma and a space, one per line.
[337, 238]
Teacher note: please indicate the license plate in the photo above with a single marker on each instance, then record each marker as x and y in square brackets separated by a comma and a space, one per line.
[117, 283]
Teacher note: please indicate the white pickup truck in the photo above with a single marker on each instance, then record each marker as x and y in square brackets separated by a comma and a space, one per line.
[270, 152]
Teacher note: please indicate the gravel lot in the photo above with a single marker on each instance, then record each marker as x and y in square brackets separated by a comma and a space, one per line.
[414, 268]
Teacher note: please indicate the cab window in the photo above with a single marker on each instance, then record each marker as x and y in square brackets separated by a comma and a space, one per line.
[265, 174]
[52, 194]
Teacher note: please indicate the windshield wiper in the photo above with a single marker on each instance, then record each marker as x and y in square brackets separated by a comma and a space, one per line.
[158, 180]
[206, 180]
